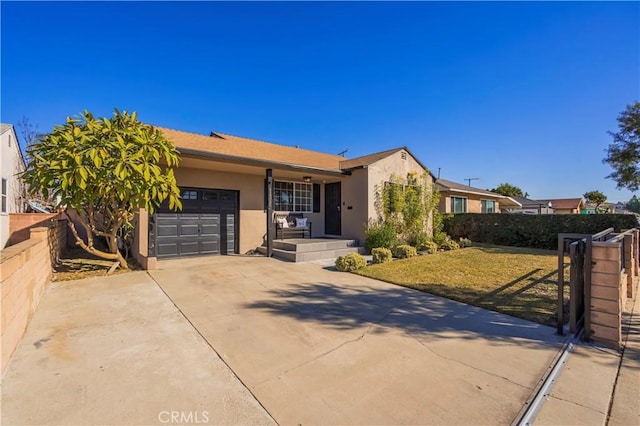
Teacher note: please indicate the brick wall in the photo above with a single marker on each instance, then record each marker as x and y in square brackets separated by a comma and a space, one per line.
[25, 272]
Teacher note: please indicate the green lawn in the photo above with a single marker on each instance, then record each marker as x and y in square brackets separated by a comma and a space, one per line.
[516, 281]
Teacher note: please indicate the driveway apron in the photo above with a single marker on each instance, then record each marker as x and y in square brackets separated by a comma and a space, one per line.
[317, 346]
[115, 350]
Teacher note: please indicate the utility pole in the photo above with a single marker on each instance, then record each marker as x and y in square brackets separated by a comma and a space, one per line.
[470, 179]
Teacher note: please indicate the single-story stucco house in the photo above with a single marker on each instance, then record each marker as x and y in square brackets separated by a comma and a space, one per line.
[224, 180]
[565, 205]
[529, 206]
[458, 198]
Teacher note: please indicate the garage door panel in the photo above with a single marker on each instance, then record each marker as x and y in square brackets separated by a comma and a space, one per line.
[210, 230]
[186, 248]
[210, 247]
[166, 249]
[188, 230]
[210, 225]
[167, 230]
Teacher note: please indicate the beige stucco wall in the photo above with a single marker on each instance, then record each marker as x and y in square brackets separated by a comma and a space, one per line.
[354, 206]
[360, 189]
[474, 202]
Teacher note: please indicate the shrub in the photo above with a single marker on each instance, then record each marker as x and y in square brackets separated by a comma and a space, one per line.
[350, 262]
[431, 247]
[380, 235]
[439, 237]
[535, 231]
[419, 240]
[381, 255]
[449, 244]
[405, 251]
[464, 242]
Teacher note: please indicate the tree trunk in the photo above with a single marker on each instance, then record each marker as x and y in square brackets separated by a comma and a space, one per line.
[112, 240]
[89, 248]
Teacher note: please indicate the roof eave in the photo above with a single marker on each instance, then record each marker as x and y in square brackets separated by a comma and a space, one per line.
[258, 163]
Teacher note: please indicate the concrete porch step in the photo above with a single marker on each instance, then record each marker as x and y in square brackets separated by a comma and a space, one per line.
[293, 256]
[299, 250]
[314, 244]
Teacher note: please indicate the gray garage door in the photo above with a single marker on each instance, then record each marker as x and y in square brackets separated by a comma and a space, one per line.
[207, 224]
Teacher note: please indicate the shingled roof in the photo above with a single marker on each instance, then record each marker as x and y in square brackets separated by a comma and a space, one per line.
[454, 186]
[366, 160]
[231, 147]
[564, 203]
[447, 185]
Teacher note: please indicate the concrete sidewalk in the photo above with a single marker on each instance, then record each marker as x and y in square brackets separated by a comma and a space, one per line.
[599, 386]
[625, 407]
[115, 350]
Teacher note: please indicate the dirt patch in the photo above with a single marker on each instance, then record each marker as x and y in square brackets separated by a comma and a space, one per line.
[75, 264]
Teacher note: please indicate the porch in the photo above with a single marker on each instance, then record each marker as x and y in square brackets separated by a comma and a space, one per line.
[308, 249]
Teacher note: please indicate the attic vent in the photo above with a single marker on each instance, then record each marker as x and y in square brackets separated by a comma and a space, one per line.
[403, 155]
[215, 135]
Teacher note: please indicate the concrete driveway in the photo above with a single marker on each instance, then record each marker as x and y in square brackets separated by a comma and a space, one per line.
[251, 340]
[321, 347]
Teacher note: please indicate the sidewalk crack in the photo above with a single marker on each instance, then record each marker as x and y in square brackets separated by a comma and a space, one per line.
[575, 403]
[356, 339]
[466, 364]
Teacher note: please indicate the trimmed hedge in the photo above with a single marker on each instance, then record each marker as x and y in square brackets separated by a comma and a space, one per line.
[350, 262]
[404, 251]
[535, 231]
[381, 255]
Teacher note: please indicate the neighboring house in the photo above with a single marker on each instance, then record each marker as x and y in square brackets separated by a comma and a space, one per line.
[11, 186]
[621, 208]
[459, 198]
[223, 181]
[531, 206]
[604, 208]
[565, 205]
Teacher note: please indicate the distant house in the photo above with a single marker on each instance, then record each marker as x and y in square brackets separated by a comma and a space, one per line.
[565, 205]
[590, 208]
[460, 198]
[11, 188]
[529, 206]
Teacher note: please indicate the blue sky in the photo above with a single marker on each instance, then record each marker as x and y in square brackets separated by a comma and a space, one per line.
[512, 92]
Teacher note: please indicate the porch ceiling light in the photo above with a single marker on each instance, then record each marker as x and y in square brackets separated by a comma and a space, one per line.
[306, 178]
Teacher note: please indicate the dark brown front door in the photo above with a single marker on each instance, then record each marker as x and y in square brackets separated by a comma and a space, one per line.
[332, 218]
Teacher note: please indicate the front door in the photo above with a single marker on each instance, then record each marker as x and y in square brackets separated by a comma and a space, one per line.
[332, 218]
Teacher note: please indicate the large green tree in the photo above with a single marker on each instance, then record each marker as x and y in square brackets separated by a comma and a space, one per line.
[509, 190]
[623, 154]
[105, 169]
[633, 204]
[595, 197]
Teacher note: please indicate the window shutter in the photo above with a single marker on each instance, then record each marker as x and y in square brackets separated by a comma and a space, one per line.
[316, 198]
